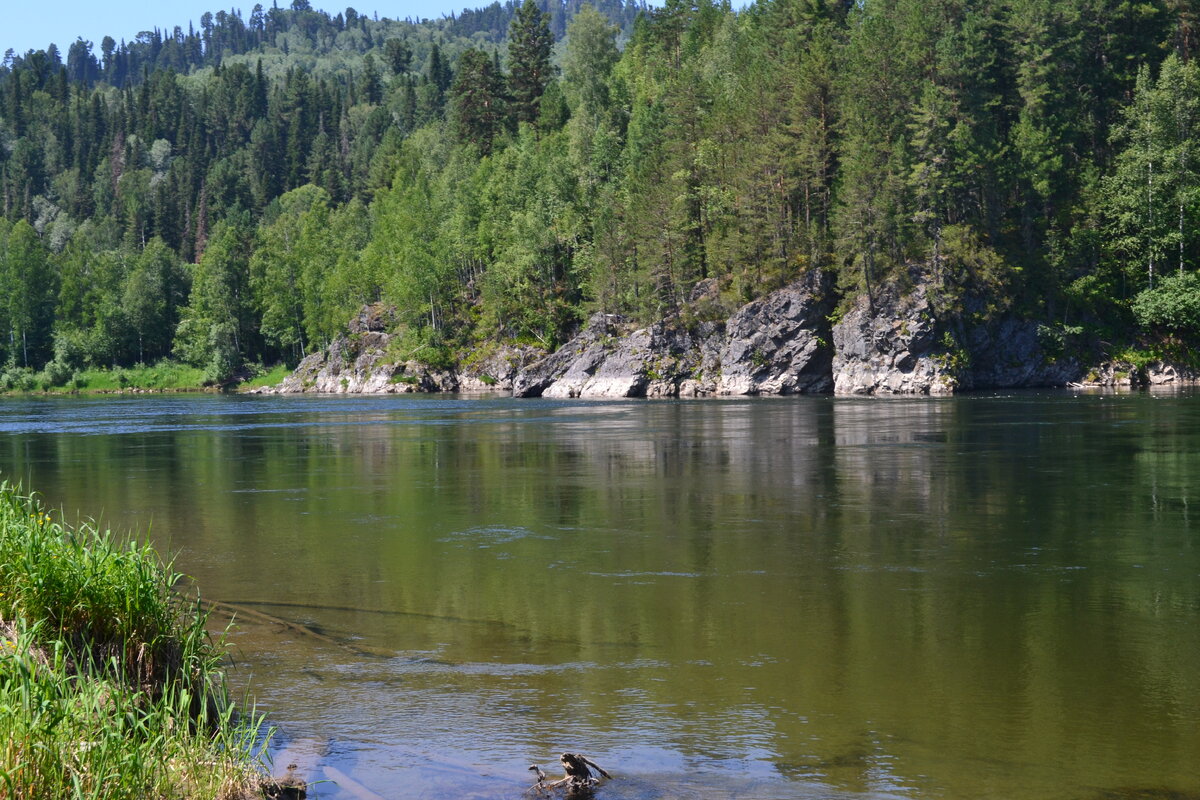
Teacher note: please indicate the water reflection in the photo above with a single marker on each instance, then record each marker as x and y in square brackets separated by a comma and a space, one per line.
[968, 597]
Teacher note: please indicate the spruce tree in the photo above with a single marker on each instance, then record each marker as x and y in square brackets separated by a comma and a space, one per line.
[529, 43]
[477, 109]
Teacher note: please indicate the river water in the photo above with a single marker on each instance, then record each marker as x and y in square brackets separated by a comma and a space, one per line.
[989, 596]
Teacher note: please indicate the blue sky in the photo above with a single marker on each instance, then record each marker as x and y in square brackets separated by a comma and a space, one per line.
[30, 25]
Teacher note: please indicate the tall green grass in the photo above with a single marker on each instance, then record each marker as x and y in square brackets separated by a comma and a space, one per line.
[169, 375]
[165, 376]
[270, 377]
[110, 686]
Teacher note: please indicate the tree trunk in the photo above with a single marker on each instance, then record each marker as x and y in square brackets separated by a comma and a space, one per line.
[1150, 221]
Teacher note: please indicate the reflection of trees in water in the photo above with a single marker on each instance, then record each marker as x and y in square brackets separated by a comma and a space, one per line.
[948, 587]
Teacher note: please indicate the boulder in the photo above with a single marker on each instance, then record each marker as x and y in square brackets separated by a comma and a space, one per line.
[496, 369]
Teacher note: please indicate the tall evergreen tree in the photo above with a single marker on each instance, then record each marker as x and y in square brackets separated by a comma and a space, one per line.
[529, 44]
[476, 100]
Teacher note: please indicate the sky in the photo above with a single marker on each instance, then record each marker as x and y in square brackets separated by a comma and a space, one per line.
[28, 25]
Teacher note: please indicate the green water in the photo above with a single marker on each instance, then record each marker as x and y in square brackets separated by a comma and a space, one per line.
[977, 597]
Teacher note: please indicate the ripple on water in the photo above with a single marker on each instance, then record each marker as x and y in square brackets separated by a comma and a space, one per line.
[485, 536]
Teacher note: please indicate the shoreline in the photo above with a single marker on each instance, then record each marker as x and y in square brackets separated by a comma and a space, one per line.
[113, 684]
[1122, 388]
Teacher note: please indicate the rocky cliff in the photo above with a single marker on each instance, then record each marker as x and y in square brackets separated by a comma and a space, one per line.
[792, 341]
[895, 343]
[366, 361]
[776, 345]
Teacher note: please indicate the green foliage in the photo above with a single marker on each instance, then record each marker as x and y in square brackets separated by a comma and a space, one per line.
[59, 376]
[591, 54]
[1031, 153]
[529, 44]
[1137, 358]
[1153, 197]
[265, 377]
[214, 323]
[17, 379]
[397, 55]
[1055, 339]
[110, 683]
[26, 287]
[954, 357]
[294, 257]
[477, 101]
[530, 288]
[1173, 305]
[406, 248]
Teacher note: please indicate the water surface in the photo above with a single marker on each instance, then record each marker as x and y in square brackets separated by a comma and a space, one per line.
[976, 597]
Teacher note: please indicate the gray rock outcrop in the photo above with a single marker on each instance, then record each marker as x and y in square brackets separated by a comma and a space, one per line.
[1016, 353]
[361, 364]
[898, 345]
[782, 343]
[365, 362]
[1157, 374]
[888, 346]
[776, 345]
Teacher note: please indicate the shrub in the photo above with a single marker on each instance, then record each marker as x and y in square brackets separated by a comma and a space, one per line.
[1173, 305]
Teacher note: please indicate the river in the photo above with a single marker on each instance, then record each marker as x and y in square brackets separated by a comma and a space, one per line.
[987, 596]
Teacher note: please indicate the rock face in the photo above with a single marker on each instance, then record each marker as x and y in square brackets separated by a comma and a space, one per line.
[776, 345]
[1011, 354]
[783, 343]
[1161, 373]
[888, 347]
[896, 345]
[362, 363]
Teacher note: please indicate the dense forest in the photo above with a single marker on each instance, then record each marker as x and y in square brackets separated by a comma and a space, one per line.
[236, 193]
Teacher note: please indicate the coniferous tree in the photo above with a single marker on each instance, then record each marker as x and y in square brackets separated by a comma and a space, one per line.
[476, 100]
[398, 55]
[529, 44]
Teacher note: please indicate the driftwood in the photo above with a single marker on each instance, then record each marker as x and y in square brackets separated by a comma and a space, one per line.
[582, 777]
[289, 787]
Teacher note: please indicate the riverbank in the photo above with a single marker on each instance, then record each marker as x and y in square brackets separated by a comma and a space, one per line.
[162, 378]
[111, 685]
[795, 340]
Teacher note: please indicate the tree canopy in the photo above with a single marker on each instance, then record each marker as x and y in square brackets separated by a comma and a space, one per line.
[235, 192]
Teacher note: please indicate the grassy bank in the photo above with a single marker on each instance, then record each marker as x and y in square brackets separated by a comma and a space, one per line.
[165, 376]
[110, 686]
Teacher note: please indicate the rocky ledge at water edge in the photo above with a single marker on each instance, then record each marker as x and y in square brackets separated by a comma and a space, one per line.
[788, 342]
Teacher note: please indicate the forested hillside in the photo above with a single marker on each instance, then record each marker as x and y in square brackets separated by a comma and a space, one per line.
[236, 193]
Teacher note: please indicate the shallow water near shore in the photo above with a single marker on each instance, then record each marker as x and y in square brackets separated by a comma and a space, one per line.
[988, 596]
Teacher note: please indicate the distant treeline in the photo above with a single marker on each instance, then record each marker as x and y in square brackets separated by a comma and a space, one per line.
[236, 193]
[226, 34]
